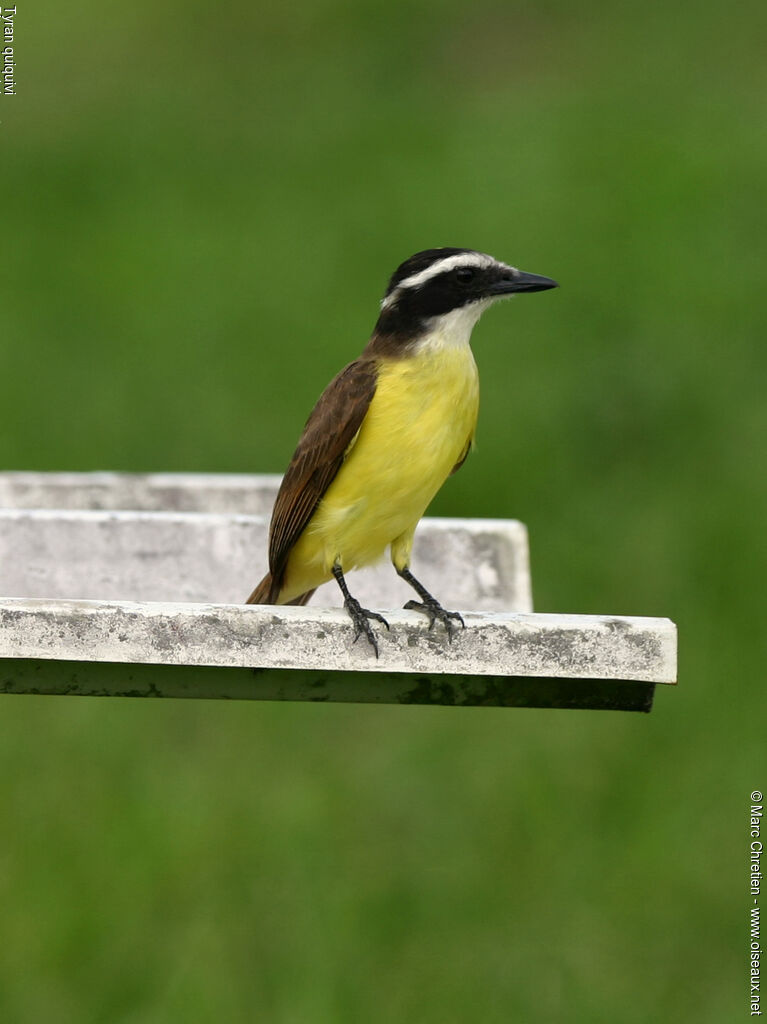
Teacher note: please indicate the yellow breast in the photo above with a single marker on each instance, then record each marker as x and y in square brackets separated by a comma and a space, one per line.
[420, 421]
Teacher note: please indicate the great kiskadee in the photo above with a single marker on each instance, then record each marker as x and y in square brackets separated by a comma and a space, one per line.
[386, 433]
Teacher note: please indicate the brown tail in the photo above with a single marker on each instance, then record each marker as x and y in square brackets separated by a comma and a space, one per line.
[267, 593]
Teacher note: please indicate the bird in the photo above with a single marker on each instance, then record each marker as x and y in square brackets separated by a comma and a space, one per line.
[385, 434]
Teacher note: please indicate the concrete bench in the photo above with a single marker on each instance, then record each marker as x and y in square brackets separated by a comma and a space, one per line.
[121, 584]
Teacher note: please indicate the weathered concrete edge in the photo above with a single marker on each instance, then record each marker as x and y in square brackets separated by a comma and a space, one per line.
[508, 644]
[112, 486]
[512, 529]
[100, 679]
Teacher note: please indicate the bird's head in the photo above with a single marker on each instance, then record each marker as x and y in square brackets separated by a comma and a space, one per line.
[447, 290]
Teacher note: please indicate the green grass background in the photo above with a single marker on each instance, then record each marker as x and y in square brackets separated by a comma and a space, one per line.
[200, 202]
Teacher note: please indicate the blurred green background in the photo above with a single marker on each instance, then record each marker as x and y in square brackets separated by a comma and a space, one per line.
[198, 200]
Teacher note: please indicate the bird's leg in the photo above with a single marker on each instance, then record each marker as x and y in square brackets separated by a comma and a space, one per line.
[357, 613]
[429, 605]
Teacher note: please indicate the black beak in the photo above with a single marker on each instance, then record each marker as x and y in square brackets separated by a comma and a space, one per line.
[519, 281]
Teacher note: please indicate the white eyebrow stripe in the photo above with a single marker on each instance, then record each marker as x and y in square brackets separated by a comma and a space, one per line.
[463, 259]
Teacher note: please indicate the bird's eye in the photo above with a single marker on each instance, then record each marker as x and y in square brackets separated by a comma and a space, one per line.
[465, 275]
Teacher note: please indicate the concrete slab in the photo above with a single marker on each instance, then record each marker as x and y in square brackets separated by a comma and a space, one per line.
[262, 636]
[129, 585]
[480, 564]
[316, 648]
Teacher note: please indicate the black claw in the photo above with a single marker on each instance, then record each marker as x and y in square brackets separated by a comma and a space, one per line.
[357, 613]
[431, 607]
[359, 617]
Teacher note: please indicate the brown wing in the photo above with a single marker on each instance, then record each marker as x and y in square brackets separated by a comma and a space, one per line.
[330, 429]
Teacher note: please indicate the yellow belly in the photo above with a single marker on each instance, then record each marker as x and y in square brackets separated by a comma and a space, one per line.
[418, 426]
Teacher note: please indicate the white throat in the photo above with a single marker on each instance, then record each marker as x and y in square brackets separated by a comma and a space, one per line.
[453, 329]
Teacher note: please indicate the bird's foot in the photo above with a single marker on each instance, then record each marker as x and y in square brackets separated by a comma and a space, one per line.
[430, 606]
[359, 617]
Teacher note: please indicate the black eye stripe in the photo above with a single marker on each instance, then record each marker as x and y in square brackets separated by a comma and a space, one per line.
[465, 274]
